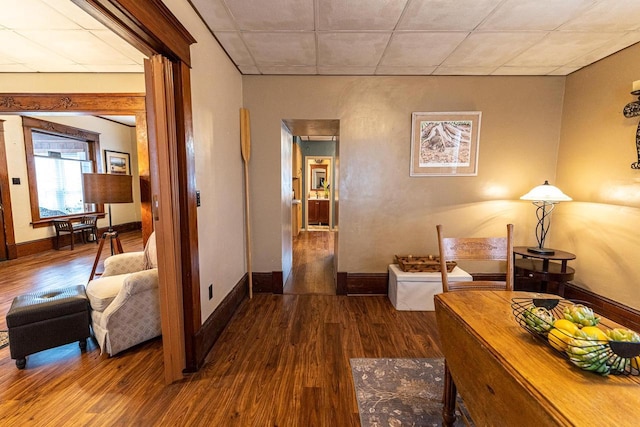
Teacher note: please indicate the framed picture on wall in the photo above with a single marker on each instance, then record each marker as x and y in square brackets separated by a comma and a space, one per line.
[117, 162]
[445, 144]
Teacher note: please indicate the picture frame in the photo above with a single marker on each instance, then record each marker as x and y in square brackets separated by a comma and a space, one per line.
[445, 144]
[117, 162]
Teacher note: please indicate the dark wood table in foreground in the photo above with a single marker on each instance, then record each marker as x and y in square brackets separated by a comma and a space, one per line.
[507, 377]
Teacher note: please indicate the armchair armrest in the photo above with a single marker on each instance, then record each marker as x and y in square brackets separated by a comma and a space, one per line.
[129, 262]
[140, 282]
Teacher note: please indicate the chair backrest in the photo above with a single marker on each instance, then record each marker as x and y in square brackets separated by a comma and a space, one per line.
[89, 219]
[478, 249]
[63, 225]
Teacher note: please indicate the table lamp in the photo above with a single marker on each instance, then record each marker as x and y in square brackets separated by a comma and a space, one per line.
[544, 197]
[107, 188]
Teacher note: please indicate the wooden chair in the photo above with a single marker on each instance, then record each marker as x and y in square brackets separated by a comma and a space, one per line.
[477, 249]
[90, 223]
[66, 226]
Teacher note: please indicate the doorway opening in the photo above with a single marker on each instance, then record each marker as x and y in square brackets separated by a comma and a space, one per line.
[314, 207]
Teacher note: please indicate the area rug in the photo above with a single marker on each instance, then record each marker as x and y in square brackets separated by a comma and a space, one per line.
[4, 339]
[400, 392]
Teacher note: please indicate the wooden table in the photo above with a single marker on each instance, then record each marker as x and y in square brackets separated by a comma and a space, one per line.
[540, 267]
[507, 377]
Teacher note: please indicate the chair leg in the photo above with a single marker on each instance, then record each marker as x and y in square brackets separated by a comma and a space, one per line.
[72, 234]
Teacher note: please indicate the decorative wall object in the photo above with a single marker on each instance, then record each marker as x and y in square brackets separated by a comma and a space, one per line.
[445, 144]
[632, 109]
[117, 162]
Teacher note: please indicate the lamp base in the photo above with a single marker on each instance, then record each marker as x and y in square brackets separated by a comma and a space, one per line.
[541, 251]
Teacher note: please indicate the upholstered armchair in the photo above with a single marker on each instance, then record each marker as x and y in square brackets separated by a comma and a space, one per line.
[125, 308]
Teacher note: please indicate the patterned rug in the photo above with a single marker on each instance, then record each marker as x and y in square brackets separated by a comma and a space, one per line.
[4, 339]
[400, 392]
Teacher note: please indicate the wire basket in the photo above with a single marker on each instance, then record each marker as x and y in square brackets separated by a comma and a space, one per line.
[592, 348]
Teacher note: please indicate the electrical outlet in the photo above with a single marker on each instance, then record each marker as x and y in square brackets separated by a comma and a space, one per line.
[211, 291]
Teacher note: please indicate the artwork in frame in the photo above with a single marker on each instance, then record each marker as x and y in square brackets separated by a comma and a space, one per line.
[445, 144]
[117, 162]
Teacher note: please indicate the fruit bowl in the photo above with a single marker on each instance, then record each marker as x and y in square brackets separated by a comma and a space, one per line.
[579, 335]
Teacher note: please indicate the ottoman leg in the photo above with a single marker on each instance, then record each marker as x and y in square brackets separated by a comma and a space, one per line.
[83, 344]
[21, 363]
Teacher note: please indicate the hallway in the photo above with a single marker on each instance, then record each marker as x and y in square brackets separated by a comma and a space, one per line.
[312, 270]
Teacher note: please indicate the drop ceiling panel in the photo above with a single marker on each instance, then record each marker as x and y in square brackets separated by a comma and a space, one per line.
[421, 49]
[215, 14]
[399, 71]
[354, 15]
[445, 15]
[272, 15]
[20, 14]
[534, 14]
[282, 48]
[235, 47]
[622, 15]
[559, 48]
[491, 49]
[351, 49]
[347, 71]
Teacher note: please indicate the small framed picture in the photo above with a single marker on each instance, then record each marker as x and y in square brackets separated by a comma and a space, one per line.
[117, 162]
[445, 144]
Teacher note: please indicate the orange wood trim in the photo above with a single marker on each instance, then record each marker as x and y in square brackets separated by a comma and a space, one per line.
[142, 143]
[90, 103]
[213, 327]
[163, 160]
[5, 191]
[188, 213]
[148, 25]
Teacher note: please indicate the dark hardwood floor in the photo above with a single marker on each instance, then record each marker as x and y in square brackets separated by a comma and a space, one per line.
[312, 271]
[283, 360]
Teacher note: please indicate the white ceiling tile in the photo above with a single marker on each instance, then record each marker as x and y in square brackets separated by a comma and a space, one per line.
[351, 49]
[272, 15]
[287, 70]
[347, 71]
[215, 14]
[119, 45]
[438, 15]
[558, 48]
[614, 46]
[59, 68]
[235, 47]
[73, 13]
[20, 14]
[608, 15]
[463, 71]
[79, 46]
[114, 68]
[15, 68]
[491, 49]
[563, 71]
[411, 71]
[421, 49]
[282, 48]
[523, 71]
[357, 15]
[23, 50]
[249, 69]
[534, 14]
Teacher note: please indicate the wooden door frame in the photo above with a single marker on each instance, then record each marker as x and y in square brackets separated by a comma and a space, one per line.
[154, 30]
[5, 200]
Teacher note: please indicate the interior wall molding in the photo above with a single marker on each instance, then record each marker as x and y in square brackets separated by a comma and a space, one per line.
[86, 103]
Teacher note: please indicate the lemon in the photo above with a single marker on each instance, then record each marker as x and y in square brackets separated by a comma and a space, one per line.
[559, 339]
[566, 325]
[594, 333]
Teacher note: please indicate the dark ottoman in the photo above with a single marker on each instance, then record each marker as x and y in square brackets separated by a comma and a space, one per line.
[47, 319]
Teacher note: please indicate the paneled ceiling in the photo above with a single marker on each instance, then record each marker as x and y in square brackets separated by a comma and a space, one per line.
[343, 37]
[420, 37]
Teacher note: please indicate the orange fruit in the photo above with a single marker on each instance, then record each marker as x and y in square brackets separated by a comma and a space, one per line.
[566, 325]
[594, 333]
[559, 339]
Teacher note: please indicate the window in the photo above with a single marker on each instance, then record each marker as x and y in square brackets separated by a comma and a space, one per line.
[57, 156]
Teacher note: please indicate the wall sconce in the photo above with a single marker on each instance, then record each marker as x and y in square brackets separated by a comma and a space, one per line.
[544, 197]
[632, 109]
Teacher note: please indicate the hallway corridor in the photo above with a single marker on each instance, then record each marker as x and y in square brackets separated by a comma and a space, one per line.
[312, 270]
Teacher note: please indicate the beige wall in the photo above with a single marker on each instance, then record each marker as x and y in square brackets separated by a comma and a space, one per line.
[596, 150]
[113, 136]
[384, 211]
[216, 90]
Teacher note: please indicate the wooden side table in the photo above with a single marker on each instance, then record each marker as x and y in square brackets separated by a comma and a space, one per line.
[542, 269]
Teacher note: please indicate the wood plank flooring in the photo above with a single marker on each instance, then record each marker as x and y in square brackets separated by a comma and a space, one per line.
[312, 271]
[283, 360]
